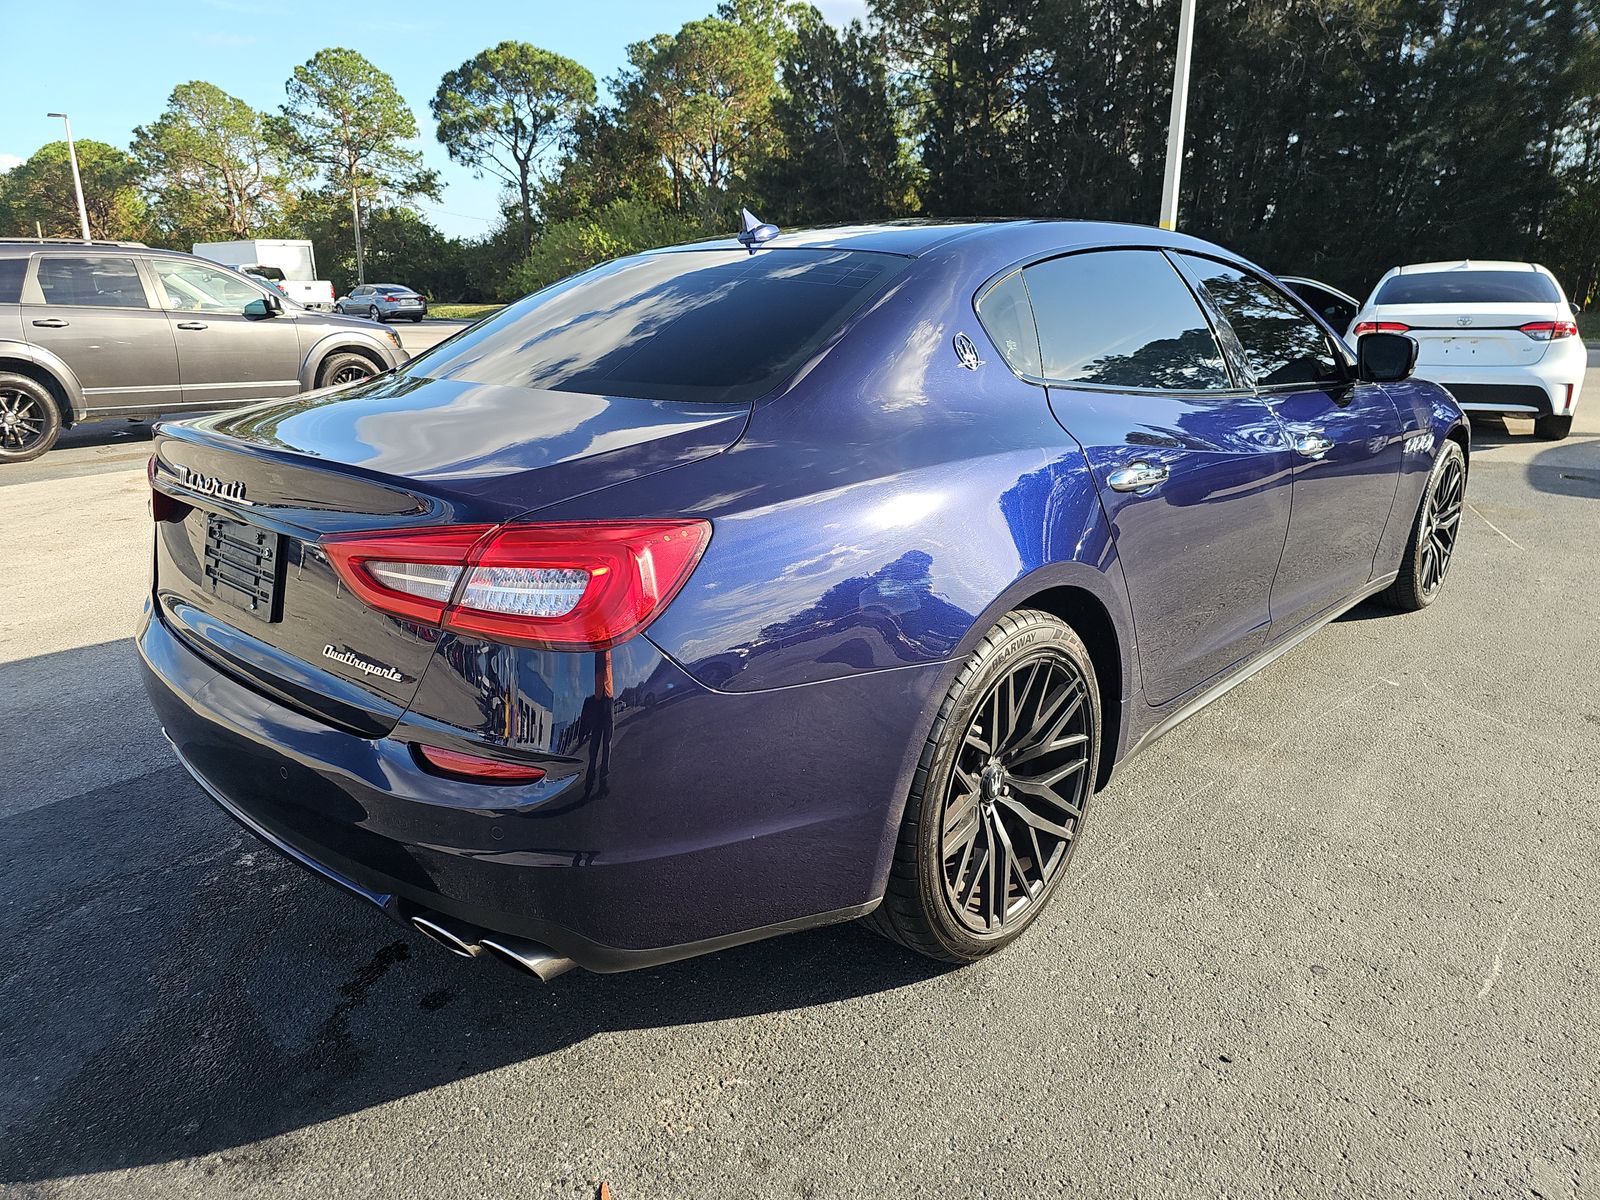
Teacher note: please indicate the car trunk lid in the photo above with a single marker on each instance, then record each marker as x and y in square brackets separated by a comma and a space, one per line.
[1470, 335]
[249, 496]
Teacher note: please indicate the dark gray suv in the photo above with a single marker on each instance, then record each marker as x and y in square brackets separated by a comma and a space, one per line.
[102, 330]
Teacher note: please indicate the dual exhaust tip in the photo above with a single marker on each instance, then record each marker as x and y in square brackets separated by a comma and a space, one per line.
[526, 956]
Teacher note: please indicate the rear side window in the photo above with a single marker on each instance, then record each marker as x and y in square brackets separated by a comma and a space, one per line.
[90, 281]
[1008, 319]
[1123, 318]
[11, 272]
[708, 326]
[1281, 344]
[1470, 287]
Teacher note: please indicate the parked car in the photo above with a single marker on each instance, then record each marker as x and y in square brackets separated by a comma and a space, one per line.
[106, 331]
[1337, 308]
[383, 302]
[740, 587]
[1500, 335]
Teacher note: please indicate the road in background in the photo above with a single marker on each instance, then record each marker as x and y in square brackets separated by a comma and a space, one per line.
[1336, 936]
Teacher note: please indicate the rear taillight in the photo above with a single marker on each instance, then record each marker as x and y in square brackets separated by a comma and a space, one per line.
[1380, 327]
[391, 300]
[1549, 331]
[474, 767]
[560, 586]
[162, 506]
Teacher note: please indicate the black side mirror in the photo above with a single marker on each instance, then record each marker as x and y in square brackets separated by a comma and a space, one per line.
[267, 306]
[1385, 357]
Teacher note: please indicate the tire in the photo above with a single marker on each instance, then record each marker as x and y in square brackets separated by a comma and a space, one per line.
[941, 900]
[416, 320]
[1552, 429]
[1434, 533]
[373, 314]
[30, 421]
[343, 369]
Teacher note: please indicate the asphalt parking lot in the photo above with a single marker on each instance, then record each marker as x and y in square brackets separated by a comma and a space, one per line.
[1336, 936]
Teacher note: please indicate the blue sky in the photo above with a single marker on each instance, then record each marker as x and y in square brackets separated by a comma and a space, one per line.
[126, 56]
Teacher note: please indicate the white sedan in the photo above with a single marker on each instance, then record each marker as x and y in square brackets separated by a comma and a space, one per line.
[1499, 335]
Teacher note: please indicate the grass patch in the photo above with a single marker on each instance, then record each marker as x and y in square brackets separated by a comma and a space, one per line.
[456, 312]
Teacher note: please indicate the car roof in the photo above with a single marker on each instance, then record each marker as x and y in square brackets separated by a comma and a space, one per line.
[1002, 238]
[1467, 264]
[21, 246]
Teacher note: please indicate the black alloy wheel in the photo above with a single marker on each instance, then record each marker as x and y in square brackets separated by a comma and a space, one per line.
[30, 422]
[1016, 793]
[344, 368]
[997, 803]
[1434, 534]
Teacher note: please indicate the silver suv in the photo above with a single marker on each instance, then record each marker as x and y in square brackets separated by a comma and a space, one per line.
[103, 330]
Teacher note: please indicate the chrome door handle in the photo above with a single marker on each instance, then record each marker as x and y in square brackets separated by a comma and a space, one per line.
[1136, 477]
[191, 324]
[1312, 445]
[52, 323]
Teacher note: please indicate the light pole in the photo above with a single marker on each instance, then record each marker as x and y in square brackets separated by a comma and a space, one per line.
[1180, 110]
[77, 180]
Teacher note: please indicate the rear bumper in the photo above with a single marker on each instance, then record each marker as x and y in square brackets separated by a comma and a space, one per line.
[1550, 386]
[721, 819]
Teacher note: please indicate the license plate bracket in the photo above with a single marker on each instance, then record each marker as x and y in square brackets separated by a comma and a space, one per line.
[244, 566]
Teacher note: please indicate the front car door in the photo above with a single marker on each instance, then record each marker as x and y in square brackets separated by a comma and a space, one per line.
[224, 355]
[94, 312]
[1346, 435]
[1192, 468]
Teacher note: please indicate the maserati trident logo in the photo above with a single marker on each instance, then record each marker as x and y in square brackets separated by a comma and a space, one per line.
[351, 659]
[211, 485]
[966, 352]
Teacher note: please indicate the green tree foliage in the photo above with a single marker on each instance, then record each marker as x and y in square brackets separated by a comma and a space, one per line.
[347, 119]
[703, 98]
[40, 190]
[402, 247]
[502, 110]
[838, 153]
[212, 168]
[621, 227]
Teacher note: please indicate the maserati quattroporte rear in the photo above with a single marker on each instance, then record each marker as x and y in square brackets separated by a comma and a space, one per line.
[740, 587]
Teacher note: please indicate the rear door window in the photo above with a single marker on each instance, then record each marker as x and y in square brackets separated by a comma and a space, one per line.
[694, 325]
[90, 281]
[11, 272]
[1123, 318]
[1008, 319]
[1282, 346]
[1469, 287]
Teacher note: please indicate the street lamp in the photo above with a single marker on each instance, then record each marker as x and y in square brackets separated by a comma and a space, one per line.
[1180, 110]
[77, 180]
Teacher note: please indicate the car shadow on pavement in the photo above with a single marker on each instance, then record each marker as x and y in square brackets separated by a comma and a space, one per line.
[173, 988]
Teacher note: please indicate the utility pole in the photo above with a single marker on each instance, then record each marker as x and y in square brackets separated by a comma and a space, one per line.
[77, 180]
[1180, 110]
[355, 212]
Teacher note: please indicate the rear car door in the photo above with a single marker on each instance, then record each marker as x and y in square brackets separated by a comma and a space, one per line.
[224, 355]
[1192, 468]
[94, 312]
[1347, 436]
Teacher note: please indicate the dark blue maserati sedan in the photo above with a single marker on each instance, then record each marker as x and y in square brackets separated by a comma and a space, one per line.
[746, 586]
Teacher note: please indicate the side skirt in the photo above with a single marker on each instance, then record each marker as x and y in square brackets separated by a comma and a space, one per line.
[1217, 690]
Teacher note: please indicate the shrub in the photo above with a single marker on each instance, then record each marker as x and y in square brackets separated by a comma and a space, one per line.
[621, 227]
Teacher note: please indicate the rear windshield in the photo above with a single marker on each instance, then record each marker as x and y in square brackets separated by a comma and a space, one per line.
[1469, 287]
[392, 291]
[696, 325]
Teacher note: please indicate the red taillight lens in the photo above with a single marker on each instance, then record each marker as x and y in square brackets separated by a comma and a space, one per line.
[162, 506]
[1380, 327]
[410, 573]
[560, 586]
[1549, 331]
[476, 768]
[391, 300]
